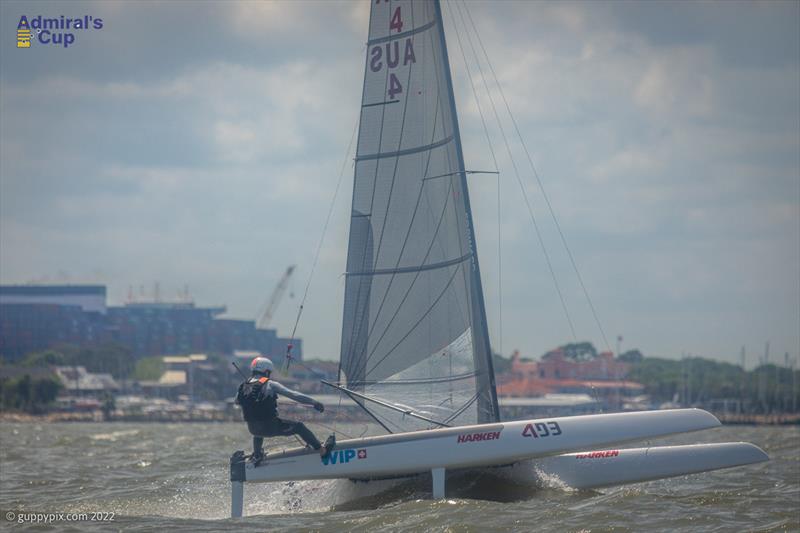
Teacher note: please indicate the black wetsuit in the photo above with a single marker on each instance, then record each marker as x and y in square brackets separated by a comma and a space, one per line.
[258, 397]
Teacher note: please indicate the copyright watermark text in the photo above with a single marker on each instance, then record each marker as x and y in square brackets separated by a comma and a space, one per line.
[50, 518]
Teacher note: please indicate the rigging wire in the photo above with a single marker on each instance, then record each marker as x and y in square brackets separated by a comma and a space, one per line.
[289, 358]
[517, 175]
[499, 272]
[333, 429]
[539, 182]
[319, 245]
[497, 170]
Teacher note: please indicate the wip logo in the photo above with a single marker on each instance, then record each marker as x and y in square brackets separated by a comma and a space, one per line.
[542, 429]
[60, 31]
[343, 456]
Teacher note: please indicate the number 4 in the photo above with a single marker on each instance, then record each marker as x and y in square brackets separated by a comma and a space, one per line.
[394, 86]
[397, 21]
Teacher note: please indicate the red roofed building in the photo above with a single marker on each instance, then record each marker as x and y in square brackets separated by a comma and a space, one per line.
[555, 365]
[602, 376]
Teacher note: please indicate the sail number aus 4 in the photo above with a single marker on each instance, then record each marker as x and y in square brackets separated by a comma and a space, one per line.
[542, 429]
[389, 54]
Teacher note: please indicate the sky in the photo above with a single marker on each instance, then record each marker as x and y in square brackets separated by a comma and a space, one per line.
[200, 144]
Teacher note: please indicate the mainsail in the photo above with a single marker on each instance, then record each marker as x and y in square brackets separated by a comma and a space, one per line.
[414, 332]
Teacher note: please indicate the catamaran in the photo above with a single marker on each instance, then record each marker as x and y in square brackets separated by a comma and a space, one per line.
[415, 351]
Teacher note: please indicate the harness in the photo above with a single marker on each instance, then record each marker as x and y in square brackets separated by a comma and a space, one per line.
[257, 406]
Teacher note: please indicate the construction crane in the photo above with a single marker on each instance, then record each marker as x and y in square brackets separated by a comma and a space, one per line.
[268, 309]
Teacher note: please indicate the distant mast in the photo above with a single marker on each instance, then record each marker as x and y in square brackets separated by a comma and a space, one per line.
[414, 328]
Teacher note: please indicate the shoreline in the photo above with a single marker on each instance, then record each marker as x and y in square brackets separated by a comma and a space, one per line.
[778, 419]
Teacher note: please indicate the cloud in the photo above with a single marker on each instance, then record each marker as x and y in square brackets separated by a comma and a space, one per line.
[678, 84]
[666, 134]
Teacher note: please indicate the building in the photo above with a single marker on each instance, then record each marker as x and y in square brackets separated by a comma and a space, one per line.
[556, 365]
[37, 317]
[161, 328]
[78, 381]
[601, 378]
[231, 335]
[90, 298]
[547, 405]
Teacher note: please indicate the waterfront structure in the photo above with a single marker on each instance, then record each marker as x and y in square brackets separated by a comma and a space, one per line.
[90, 298]
[601, 378]
[159, 328]
[77, 381]
[37, 317]
[556, 365]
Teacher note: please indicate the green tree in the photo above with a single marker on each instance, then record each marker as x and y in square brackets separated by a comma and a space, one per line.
[108, 405]
[149, 369]
[45, 358]
[109, 358]
[23, 393]
[28, 394]
[45, 391]
[696, 380]
[577, 351]
[631, 356]
[501, 364]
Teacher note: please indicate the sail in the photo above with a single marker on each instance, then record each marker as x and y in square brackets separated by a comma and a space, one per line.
[414, 331]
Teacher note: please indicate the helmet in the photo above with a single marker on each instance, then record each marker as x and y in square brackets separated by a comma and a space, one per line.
[261, 365]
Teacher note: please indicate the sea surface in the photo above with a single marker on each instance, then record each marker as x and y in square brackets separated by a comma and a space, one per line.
[175, 477]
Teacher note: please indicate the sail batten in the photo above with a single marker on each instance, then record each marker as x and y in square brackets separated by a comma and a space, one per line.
[407, 151]
[419, 268]
[414, 329]
[379, 40]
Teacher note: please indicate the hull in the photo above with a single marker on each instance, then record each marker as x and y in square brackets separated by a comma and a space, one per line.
[471, 446]
[589, 470]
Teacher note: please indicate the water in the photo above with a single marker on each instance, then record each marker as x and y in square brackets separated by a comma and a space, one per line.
[175, 476]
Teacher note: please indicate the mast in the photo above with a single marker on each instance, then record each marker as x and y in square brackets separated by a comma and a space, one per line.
[483, 326]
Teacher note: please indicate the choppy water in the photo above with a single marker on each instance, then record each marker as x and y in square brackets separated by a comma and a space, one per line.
[171, 476]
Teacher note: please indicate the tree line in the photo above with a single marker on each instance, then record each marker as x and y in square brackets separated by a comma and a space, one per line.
[696, 380]
[35, 392]
[767, 388]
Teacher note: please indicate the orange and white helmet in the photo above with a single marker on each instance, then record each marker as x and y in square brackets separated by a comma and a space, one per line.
[261, 365]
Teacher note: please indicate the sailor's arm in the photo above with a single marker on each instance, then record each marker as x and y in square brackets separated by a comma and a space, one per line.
[239, 395]
[296, 396]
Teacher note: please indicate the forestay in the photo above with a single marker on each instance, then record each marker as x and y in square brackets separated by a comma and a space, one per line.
[414, 332]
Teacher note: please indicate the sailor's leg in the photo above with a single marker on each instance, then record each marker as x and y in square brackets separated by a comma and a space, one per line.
[307, 436]
[298, 428]
[438, 483]
[257, 446]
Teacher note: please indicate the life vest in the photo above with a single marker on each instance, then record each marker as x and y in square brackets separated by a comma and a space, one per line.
[258, 405]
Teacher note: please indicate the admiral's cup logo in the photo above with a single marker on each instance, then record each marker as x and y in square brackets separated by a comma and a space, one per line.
[58, 30]
[23, 34]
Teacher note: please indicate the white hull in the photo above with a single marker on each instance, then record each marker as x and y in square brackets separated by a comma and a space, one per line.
[596, 469]
[474, 446]
[555, 440]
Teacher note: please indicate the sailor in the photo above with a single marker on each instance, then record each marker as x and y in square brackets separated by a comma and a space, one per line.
[258, 397]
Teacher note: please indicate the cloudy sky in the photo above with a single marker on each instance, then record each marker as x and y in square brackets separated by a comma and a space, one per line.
[200, 143]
